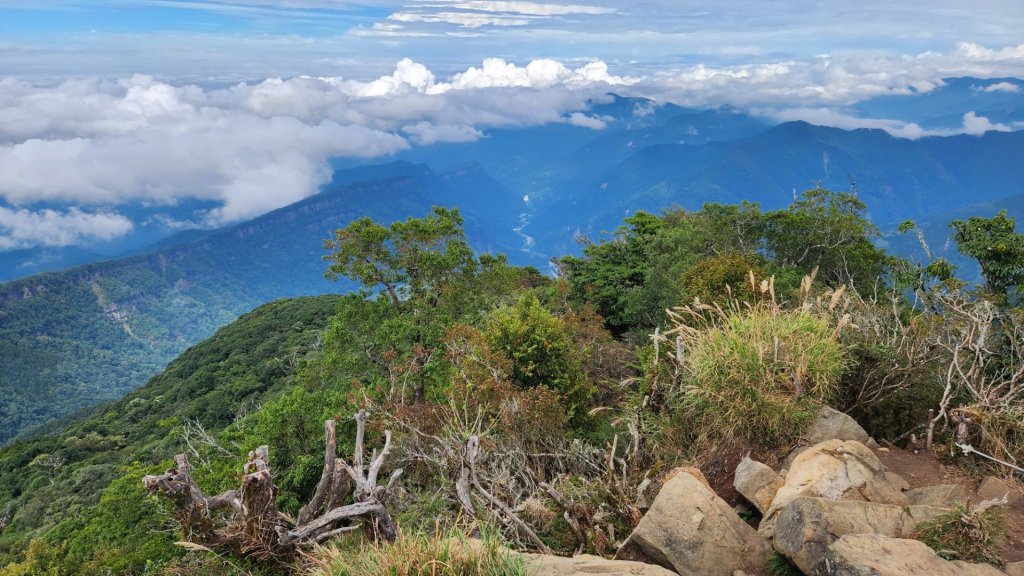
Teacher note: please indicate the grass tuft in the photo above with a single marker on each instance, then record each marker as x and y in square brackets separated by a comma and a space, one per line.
[971, 535]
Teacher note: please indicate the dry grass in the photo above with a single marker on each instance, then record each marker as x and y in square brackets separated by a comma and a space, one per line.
[447, 553]
[965, 534]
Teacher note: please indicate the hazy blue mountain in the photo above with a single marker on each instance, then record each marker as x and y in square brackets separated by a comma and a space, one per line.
[89, 334]
[1000, 100]
[897, 178]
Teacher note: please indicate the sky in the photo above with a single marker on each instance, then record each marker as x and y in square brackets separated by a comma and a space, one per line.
[240, 104]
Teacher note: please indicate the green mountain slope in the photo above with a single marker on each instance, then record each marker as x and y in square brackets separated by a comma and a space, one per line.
[79, 337]
[49, 485]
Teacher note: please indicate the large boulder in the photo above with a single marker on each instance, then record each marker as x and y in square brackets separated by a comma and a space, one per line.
[874, 555]
[828, 424]
[690, 530]
[585, 564]
[757, 483]
[836, 470]
[807, 526]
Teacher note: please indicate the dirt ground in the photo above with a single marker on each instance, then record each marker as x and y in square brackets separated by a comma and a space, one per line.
[919, 468]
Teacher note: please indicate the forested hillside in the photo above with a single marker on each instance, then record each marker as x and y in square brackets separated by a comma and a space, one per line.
[75, 338]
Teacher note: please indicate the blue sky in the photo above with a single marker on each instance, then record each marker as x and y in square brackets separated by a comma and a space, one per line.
[246, 39]
[241, 104]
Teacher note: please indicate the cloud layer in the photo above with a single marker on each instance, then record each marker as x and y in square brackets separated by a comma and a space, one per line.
[249, 147]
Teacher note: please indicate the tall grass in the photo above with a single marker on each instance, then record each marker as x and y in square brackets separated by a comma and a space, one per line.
[756, 372]
[447, 553]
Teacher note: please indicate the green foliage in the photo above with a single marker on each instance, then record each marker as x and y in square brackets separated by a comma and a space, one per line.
[83, 499]
[539, 350]
[406, 258]
[829, 231]
[965, 534]
[721, 278]
[997, 248]
[779, 565]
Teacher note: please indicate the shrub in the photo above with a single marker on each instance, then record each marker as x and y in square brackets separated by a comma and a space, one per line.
[974, 535]
[539, 351]
[755, 373]
[447, 553]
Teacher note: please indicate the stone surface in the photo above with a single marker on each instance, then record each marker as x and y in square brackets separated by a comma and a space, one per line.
[942, 495]
[1014, 569]
[541, 565]
[690, 530]
[829, 424]
[757, 483]
[807, 526]
[836, 470]
[897, 481]
[873, 555]
[992, 487]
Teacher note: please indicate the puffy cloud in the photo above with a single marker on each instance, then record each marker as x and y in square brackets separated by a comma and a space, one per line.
[582, 120]
[21, 228]
[977, 125]
[1001, 87]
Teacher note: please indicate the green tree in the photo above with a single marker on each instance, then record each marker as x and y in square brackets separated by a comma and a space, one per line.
[406, 258]
[997, 248]
[829, 231]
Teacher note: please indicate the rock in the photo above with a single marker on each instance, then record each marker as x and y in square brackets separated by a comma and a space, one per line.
[941, 495]
[807, 526]
[541, 565]
[757, 483]
[992, 487]
[836, 470]
[1014, 569]
[544, 565]
[873, 555]
[897, 481]
[690, 530]
[829, 424]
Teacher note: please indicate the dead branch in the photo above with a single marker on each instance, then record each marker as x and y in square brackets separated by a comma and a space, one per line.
[257, 529]
[471, 453]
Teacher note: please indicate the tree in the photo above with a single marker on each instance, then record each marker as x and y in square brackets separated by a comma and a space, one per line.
[997, 248]
[829, 231]
[406, 258]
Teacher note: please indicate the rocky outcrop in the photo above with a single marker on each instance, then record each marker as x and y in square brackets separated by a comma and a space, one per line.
[807, 526]
[757, 483]
[874, 555]
[835, 470]
[690, 530]
[541, 565]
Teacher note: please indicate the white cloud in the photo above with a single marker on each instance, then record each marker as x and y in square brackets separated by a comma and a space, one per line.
[464, 19]
[582, 120]
[425, 133]
[21, 228]
[530, 8]
[977, 125]
[1002, 87]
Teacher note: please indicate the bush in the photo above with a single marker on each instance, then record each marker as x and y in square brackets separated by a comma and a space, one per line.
[540, 352]
[756, 373]
[444, 554]
[969, 535]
